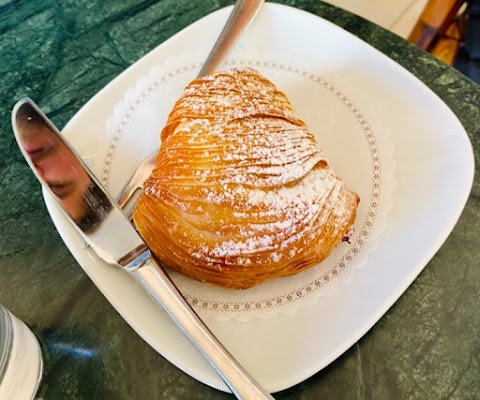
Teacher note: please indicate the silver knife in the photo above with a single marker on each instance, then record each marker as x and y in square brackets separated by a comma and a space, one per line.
[102, 223]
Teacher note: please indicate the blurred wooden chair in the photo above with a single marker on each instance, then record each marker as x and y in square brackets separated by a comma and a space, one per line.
[438, 29]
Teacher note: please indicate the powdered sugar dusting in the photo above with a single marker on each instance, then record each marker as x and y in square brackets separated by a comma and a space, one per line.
[250, 181]
[347, 117]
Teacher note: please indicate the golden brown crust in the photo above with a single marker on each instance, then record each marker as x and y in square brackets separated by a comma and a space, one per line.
[241, 192]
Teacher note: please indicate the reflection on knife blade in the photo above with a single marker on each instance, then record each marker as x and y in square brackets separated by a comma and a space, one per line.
[76, 190]
[59, 169]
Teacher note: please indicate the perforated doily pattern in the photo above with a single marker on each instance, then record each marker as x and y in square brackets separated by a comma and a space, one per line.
[241, 306]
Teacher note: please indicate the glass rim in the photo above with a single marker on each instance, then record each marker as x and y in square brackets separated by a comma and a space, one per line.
[6, 340]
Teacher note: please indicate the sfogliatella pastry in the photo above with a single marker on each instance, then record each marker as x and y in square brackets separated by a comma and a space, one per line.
[241, 192]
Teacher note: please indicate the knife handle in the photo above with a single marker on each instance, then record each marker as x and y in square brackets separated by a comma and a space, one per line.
[153, 278]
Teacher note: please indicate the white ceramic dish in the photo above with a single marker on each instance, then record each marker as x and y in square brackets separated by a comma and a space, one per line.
[350, 133]
[434, 174]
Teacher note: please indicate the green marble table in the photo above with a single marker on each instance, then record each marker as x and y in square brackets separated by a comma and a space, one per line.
[61, 53]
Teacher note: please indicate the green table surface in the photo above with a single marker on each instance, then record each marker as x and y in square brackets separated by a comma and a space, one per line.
[60, 53]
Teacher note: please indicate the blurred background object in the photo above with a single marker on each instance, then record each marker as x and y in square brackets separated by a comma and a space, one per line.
[398, 16]
[467, 58]
[448, 29]
[438, 29]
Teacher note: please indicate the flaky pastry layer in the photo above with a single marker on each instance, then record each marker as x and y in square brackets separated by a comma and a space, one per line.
[241, 192]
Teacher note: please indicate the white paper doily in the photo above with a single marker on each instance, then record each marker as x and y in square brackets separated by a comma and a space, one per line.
[345, 124]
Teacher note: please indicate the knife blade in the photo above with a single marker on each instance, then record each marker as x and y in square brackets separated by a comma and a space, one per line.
[101, 222]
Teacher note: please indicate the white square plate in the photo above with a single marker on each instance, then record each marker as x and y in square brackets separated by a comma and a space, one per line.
[433, 176]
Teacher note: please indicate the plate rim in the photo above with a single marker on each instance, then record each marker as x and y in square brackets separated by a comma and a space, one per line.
[368, 324]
